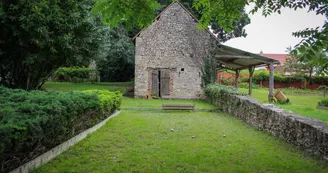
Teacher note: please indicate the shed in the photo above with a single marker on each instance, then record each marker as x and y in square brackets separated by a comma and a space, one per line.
[170, 55]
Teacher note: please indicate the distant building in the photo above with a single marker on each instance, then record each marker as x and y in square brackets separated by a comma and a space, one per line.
[280, 57]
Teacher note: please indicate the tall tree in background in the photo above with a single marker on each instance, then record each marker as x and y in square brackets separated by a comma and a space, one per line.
[37, 37]
[118, 65]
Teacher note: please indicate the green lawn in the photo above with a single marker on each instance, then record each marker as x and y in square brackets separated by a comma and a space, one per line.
[301, 103]
[157, 103]
[67, 86]
[141, 141]
[122, 87]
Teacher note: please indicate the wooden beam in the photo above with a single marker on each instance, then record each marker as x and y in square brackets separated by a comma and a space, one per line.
[237, 79]
[228, 66]
[232, 56]
[251, 71]
[271, 82]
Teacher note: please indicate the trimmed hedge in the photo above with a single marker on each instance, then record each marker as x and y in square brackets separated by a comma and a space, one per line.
[213, 91]
[263, 75]
[74, 74]
[36, 121]
[323, 102]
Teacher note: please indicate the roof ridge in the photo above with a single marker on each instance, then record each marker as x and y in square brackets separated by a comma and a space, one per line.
[183, 7]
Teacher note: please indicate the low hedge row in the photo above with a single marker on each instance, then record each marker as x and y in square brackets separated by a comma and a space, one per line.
[263, 75]
[32, 122]
[74, 74]
[214, 91]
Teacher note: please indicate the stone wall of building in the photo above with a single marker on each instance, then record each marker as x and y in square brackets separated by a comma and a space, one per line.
[172, 42]
[306, 133]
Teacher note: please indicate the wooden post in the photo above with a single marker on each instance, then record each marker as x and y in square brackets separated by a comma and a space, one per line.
[237, 79]
[251, 71]
[271, 82]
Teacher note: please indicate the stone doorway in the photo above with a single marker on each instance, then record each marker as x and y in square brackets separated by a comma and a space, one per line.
[160, 82]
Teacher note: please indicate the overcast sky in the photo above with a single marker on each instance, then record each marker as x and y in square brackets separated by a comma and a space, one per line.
[273, 34]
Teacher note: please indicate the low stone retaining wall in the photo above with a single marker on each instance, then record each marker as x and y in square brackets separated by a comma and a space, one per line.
[307, 134]
[46, 157]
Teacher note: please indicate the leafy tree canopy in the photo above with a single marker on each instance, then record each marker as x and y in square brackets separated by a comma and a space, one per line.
[225, 13]
[140, 13]
[318, 63]
[37, 37]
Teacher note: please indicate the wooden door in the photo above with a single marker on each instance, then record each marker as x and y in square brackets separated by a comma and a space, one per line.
[165, 82]
[155, 83]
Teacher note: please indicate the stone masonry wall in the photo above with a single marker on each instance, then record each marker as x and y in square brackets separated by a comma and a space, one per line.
[172, 42]
[305, 133]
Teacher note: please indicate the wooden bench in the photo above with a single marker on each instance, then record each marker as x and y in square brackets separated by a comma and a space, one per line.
[178, 106]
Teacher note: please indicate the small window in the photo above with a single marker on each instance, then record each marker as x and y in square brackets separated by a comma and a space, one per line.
[182, 69]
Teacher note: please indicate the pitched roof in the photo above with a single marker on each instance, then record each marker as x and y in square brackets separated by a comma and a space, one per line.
[279, 57]
[186, 11]
[243, 59]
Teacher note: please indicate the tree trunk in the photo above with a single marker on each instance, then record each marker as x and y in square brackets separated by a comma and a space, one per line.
[237, 79]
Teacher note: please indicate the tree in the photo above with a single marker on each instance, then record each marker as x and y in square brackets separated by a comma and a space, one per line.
[225, 13]
[315, 38]
[37, 37]
[134, 27]
[118, 65]
[315, 65]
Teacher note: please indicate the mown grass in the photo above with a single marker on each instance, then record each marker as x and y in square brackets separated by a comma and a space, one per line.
[68, 86]
[157, 103]
[302, 104]
[122, 87]
[143, 142]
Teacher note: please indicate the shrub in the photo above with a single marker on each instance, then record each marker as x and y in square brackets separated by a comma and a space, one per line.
[323, 102]
[75, 74]
[109, 101]
[33, 122]
[214, 91]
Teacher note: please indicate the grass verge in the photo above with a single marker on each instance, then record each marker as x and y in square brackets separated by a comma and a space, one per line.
[143, 142]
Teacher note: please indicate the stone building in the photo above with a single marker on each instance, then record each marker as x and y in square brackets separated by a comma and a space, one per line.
[170, 54]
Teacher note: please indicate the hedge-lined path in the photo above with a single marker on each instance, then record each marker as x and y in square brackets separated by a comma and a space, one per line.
[156, 141]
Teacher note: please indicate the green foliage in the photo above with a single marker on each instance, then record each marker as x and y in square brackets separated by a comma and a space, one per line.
[209, 70]
[33, 122]
[323, 102]
[297, 62]
[109, 101]
[118, 64]
[217, 10]
[37, 37]
[213, 91]
[71, 73]
[127, 12]
[263, 75]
